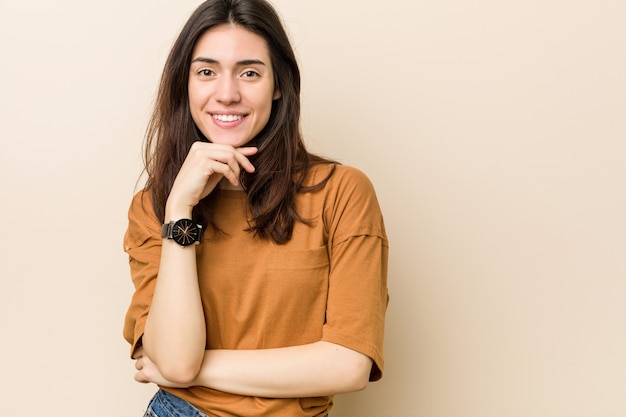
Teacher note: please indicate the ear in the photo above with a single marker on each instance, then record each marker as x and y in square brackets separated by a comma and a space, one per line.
[277, 94]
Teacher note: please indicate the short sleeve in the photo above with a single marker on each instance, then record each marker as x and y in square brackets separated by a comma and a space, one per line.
[358, 251]
[142, 243]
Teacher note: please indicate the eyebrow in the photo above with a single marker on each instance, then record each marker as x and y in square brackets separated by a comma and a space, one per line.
[243, 62]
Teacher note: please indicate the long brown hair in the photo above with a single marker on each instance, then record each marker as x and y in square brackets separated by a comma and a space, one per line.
[282, 162]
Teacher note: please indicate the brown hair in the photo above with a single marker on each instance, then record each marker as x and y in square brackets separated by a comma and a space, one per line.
[282, 162]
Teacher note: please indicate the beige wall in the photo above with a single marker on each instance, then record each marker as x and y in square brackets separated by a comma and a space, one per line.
[493, 131]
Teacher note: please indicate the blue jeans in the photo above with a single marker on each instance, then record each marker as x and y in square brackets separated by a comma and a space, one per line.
[164, 404]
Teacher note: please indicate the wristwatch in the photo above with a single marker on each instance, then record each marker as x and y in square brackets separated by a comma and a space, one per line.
[185, 232]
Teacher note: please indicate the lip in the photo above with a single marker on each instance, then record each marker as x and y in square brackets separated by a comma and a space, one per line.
[228, 124]
[228, 112]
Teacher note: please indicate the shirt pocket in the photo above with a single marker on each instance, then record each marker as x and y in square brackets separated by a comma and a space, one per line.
[298, 259]
[300, 277]
[297, 280]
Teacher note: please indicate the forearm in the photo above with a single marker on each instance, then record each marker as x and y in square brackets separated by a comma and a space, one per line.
[312, 370]
[175, 331]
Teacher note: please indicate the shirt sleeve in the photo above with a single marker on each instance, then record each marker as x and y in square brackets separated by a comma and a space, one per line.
[142, 243]
[358, 252]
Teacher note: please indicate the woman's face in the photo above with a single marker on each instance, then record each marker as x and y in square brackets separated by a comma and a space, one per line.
[231, 85]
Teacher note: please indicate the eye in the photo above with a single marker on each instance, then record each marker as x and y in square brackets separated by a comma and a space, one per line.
[205, 72]
[250, 74]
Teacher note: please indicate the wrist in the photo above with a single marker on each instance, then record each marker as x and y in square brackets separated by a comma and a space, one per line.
[175, 211]
[201, 378]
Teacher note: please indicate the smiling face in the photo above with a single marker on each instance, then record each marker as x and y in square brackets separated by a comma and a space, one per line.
[231, 85]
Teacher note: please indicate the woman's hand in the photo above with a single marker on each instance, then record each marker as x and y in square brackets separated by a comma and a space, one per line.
[147, 372]
[204, 167]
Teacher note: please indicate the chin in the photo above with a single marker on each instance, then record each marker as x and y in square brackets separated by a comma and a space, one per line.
[235, 142]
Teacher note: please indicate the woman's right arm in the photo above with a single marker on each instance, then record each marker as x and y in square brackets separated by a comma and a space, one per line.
[175, 332]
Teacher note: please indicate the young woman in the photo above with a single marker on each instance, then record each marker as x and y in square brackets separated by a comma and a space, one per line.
[260, 269]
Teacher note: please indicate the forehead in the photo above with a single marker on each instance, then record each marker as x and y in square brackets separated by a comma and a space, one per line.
[230, 42]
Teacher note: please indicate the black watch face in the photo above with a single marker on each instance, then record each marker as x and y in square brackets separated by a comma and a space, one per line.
[185, 232]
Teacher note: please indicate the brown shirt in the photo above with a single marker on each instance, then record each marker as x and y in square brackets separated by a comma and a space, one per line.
[329, 282]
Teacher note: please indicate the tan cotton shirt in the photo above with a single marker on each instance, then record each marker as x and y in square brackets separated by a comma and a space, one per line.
[329, 282]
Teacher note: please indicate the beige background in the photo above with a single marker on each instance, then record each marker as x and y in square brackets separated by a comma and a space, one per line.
[494, 132]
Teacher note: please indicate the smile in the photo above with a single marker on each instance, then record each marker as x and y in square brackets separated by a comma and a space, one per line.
[227, 117]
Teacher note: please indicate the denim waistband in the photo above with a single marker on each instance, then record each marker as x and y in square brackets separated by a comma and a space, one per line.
[164, 404]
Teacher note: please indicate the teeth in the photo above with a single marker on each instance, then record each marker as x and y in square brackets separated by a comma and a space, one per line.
[227, 117]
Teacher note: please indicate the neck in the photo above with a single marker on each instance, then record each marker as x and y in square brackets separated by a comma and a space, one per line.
[226, 185]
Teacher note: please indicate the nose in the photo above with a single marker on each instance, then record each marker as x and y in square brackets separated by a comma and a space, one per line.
[227, 90]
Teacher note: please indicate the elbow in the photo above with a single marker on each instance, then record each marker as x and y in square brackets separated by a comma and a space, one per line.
[175, 365]
[358, 374]
[179, 368]
[350, 370]
[356, 385]
[179, 373]
[360, 384]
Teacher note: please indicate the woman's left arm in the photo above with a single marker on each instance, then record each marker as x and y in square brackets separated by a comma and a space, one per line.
[312, 370]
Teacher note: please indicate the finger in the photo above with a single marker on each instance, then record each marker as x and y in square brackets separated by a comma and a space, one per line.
[230, 157]
[229, 170]
[226, 154]
[233, 161]
[241, 157]
[213, 159]
[140, 378]
[213, 164]
[248, 150]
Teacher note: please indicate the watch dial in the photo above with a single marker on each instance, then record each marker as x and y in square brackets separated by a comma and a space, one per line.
[185, 232]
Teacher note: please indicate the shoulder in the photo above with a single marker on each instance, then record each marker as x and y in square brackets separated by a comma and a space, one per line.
[141, 205]
[348, 202]
[348, 175]
[340, 177]
[142, 221]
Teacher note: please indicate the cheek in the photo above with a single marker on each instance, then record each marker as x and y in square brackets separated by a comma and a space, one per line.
[195, 110]
[197, 94]
[193, 98]
[266, 98]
